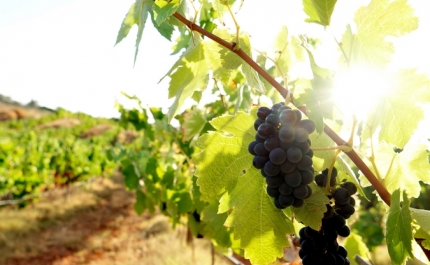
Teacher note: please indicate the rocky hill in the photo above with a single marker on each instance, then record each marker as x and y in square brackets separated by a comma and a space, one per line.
[10, 109]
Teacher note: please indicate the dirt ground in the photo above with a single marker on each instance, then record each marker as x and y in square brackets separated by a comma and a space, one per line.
[95, 224]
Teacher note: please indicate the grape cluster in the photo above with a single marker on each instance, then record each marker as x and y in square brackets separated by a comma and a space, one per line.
[282, 151]
[321, 247]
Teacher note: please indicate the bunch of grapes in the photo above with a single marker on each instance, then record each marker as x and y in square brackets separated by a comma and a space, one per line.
[282, 151]
[321, 247]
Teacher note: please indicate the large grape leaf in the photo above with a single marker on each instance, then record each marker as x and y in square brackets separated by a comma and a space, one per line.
[398, 112]
[355, 246]
[194, 122]
[375, 22]
[213, 226]
[319, 11]
[313, 209]
[257, 223]
[407, 169]
[137, 15]
[224, 154]
[399, 229]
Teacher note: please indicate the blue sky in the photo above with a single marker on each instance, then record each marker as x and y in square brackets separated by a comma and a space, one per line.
[61, 52]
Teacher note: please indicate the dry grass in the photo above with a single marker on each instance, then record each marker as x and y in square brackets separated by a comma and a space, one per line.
[94, 225]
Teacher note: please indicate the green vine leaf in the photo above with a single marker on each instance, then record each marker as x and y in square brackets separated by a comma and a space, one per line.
[257, 223]
[319, 11]
[355, 246]
[137, 15]
[225, 154]
[313, 209]
[194, 122]
[213, 226]
[399, 229]
[398, 112]
[375, 22]
[163, 9]
[423, 218]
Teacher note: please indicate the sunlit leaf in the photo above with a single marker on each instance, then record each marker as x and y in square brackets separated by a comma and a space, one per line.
[163, 9]
[355, 246]
[193, 124]
[399, 229]
[319, 11]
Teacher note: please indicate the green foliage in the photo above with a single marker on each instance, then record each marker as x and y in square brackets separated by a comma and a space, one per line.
[355, 246]
[319, 11]
[399, 229]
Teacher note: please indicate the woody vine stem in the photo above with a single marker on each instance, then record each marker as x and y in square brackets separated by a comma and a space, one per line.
[382, 191]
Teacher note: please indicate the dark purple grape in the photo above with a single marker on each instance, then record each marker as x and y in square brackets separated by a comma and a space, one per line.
[287, 134]
[257, 123]
[285, 146]
[304, 163]
[342, 252]
[274, 181]
[260, 150]
[272, 119]
[337, 221]
[298, 203]
[287, 167]
[310, 153]
[251, 147]
[272, 192]
[271, 169]
[276, 107]
[278, 156]
[298, 114]
[266, 130]
[259, 139]
[282, 108]
[271, 143]
[333, 172]
[294, 154]
[301, 135]
[259, 161]
[262, 113]
[344, 231]
[309, 191]
[341, 196]
[277, 204]
[262, 171]
[300, 192]
[304, 147]
[285, 189]
[287, 117]
[352, 201]
[293, 179]
[345, 210]
[286, 200]
[307, 176]
[350, 187]
[308, 125]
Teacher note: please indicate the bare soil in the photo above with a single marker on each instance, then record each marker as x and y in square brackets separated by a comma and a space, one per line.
[95, 224]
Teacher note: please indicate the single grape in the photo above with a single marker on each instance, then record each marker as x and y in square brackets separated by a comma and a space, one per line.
[288, 167]
[272, 119]
[257, 123]
[301, 135]
[344, 231]
[286, 200]
[337, 221]
[346, 210]
[274, 181]
[341, 196]
[251, 147]
[308, 246]
[300, 192]
[302, 253]
[350, 187]
[262, 112]
[310, 153]
[282, 108]
[293, 179]
[271, 169]
[333, 172]
[276, 107]
[285, 189]
[308, 125]
[287, 117]
[278, 156]
[298, 203]
[298, 114]
[309, 191]
[259, 139]
[262, 170]
[273, 192]
[302, 232]
[304, 163]
[294, 154]
[260, 150]
[304, 146]
[259, 161]
[277, 204]
[287, 134]
[271, 143]
[307, 176]
[265, 130]
[286, 146]
[342, 252]
[352, 201]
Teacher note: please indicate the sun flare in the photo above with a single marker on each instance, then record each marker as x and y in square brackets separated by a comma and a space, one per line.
[357, 91]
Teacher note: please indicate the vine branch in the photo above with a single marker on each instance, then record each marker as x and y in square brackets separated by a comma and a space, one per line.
[382, 191]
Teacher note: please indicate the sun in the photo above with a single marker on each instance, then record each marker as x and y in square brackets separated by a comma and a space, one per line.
[357, 91]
